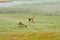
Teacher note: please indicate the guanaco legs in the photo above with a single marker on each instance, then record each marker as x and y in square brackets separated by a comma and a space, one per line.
[21, 24]
[31, 19]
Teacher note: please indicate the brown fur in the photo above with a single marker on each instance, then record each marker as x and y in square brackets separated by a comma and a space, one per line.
[21, 24]
[31, 19]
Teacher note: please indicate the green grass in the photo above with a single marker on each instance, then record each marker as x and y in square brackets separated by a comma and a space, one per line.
[46, 24]
[45, 27]
[9, 23]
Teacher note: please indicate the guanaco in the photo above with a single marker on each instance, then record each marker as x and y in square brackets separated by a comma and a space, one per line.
[21, 24]
[31, 19]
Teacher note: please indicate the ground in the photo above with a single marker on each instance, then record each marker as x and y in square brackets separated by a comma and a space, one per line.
[45, 27]
[30, 36]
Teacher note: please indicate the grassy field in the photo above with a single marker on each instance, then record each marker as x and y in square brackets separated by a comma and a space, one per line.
[45, 27]
[30, 36]
[9, 22]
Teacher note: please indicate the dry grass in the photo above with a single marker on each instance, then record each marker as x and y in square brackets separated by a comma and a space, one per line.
[30, 36]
